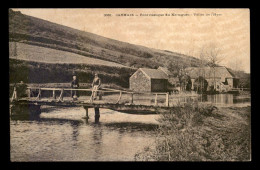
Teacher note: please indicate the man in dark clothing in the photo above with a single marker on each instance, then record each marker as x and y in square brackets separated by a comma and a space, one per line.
[74, 85]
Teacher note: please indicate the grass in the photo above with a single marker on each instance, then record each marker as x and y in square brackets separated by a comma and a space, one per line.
[44, 73]
[75, 46]
[47, 55]
[31, 30]
[195, 132]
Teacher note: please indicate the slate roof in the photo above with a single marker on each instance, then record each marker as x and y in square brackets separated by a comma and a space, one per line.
[154, 73]
[166, 71]
[221, 71]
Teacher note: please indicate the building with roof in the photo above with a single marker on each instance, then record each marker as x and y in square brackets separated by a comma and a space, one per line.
[172, 80]
[166, 71]
[149, 80]
[219, 77]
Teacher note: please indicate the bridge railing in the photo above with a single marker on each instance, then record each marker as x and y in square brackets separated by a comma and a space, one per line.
[129, 97]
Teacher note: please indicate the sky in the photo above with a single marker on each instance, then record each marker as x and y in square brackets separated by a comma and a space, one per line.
[186, 31]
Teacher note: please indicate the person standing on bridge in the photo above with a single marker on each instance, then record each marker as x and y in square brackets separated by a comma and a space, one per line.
[95, 86]
[74, 85]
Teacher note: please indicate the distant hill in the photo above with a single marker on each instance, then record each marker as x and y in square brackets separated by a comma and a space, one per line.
[38, 32]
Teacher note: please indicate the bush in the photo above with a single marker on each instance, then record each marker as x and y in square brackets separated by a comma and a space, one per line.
[195, 132]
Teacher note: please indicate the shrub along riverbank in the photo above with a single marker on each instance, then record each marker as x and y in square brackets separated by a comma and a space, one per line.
[195, 132]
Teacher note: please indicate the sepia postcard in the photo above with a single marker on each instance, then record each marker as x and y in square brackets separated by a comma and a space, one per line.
[128, 84]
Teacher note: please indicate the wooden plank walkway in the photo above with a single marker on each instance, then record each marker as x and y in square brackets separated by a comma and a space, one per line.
[119, 100]
[105, 96]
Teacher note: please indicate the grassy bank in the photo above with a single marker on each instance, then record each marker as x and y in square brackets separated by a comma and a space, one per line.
[44, 73]
[193, 132]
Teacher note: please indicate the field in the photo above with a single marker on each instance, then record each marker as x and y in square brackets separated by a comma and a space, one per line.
[47, 55]
[35, 31]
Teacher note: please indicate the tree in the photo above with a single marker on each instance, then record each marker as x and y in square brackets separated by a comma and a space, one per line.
[174, 67]
[200, 85]
[211, 56]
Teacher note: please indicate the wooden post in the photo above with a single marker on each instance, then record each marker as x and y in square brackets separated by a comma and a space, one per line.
[15, 93]
[86, 113]
[167, 99]
[86, 108]
[119, 97]
[97, 115]
[39, 95]
[40, 92]
[155, 100]
[14, 96]
[53, 94]
[132, 98]
[61, 97]
[29, 93]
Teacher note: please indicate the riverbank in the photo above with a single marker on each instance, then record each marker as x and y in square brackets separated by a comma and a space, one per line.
[202, 133]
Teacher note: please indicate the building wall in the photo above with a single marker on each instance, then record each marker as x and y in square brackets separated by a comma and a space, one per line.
[219, 84]
[139, 82]
[159, 85]
[230, 82]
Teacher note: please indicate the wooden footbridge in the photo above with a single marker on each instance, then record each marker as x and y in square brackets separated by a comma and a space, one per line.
[119, 100]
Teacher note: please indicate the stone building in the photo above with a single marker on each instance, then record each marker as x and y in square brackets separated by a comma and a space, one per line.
[149, 80]
[173, 81]
[223, 78]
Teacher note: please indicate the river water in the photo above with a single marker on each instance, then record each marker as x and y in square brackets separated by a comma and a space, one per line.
[63, 134]
[222, 100]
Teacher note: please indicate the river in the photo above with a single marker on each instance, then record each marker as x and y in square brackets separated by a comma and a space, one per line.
[63, 134]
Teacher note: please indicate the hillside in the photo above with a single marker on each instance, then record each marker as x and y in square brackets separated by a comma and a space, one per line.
[34, 31]
[28, 52]
[42, 41]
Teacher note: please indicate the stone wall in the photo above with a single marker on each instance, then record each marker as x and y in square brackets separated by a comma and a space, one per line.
[139, 82]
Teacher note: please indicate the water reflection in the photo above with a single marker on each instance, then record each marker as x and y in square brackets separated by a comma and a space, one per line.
[75, 133]
[97, 140]
[63, 135]
[97, 134]
[219, 99]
